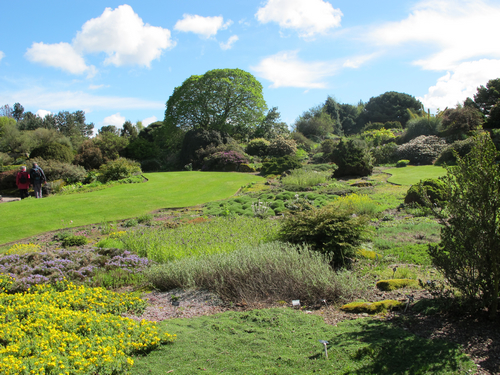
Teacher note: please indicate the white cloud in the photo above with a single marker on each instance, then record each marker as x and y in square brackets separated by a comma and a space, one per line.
[460, 29]
[2, 55]
[455, 87]
[116, 120]
[357, 61]
[205, 27]
[60, 55]
[55, 101]
[229, 43]
[149, 120]
[124, 37]
[96, 87]
[42, 113]
[286, 70]
[308, 17]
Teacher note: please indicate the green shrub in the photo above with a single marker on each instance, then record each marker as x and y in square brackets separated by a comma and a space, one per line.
[258, 147]
[418, 126]
[73, 240]
[402, 163]
[305, 178]
[223, 161]
[119, 169]
[372, 307]
[245, 168]
[272, 271]
[393, 125]
[130, 223]
[448, 155]
[145, 219]
[373, 126]
[385, 154]
[57, 170]
[282, 147]
[5, 159]
[331, 230]
[433, 187]
[53, 151]
[352, 159]
[393, 284]
[279, 165]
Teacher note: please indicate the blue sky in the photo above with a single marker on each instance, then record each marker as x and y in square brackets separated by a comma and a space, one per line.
[121, 61]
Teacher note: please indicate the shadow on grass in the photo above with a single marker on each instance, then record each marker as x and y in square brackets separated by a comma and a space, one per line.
[390, 350]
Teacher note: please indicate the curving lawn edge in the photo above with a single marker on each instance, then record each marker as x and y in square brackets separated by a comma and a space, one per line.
[30, 217]
[411, 175]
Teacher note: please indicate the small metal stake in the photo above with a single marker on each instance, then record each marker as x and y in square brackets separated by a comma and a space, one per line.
[325, 343]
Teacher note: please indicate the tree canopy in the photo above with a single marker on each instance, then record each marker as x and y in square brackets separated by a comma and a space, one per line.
[391, 106]
[226, 100]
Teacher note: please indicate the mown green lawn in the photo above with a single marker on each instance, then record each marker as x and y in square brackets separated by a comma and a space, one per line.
[163, 190]
[413, 174]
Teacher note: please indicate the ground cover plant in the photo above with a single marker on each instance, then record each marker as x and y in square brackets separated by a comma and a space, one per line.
[219, 235]
[175, 189]
[413, 174]
[284, 341]
[63, 328]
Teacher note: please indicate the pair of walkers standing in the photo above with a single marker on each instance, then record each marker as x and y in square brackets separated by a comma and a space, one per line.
[35, 177]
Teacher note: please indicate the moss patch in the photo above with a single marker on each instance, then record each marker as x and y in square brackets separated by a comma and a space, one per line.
[388, 285]
[372, 307]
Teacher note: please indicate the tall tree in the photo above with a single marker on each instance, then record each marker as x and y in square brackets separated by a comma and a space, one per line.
[391, 106]
[226, 100]
[486, 99]
[18, 111]
[271, 127]
[108, 129]
[129, 130]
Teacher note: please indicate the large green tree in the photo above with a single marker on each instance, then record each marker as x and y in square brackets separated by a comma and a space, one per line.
[391, 106]
[225, 100]
[487, 100]
[469, 251]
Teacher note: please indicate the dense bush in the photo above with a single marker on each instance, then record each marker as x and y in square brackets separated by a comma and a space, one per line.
[282, 147]
[273, 271]
[56, 170]
[197, 139]
[352, 158]
[378, 136]
[279, 165]
[119, 169]
[89, 155]
[328, 145]
[422, 150]
[53, 151]
[393, 125]
[385, 154]
[257, 147]
[5, 159]
[458, 122]
[302, 141]
[223, 161]
[331, 230]
[435, 190]
[448, 155]
[402, 163]
[8, 180]
[373, 126]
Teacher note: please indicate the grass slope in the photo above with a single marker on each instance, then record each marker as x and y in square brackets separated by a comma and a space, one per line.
[30, 217]
[284, 341]
[413, 174]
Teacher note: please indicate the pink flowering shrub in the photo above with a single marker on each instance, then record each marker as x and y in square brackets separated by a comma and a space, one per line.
[223, 160]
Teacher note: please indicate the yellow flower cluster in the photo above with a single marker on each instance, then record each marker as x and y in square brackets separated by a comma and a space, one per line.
[117, 234]
[23, 248]
[68, 329]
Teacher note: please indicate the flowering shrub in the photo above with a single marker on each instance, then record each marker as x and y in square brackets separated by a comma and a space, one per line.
[77, 265]
[119, 169]
[422, 150]
[223, 160]
[378, 137]
[282, 147]
[65, 329]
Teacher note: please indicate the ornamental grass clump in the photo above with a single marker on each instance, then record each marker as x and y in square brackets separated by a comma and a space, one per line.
[360, 204]
[305, 178]
[69, 329]
[272, 272]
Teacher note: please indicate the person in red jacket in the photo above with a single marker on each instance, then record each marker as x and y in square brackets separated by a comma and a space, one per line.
[23, 182]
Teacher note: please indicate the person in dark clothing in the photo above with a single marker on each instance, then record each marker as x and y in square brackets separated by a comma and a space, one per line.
[23, 182]
[37, 179]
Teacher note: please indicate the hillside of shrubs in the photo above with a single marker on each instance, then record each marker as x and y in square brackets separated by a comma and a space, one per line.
[324, 233]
